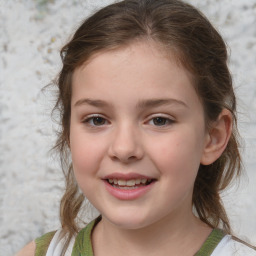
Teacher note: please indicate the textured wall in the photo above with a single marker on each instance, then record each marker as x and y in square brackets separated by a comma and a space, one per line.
[31, 183]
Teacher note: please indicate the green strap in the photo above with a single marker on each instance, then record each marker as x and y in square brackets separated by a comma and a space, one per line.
[211, 243]
[83, 244]
[42, 243]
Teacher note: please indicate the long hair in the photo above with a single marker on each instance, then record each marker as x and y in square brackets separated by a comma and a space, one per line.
[185, 31]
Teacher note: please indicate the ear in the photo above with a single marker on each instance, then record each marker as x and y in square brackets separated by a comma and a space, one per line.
[217, 138]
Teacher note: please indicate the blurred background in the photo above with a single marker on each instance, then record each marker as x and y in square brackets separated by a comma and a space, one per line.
[31, 35]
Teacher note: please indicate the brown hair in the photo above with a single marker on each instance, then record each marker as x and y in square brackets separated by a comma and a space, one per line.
[180, 28]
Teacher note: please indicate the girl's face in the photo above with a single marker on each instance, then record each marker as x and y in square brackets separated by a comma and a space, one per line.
[137, 135]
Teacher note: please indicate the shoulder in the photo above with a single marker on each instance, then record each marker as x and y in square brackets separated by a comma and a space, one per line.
[28, 250]
[229, 246]
[37, 247]
[40, 245]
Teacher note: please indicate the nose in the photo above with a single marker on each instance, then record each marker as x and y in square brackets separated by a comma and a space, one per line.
[126, 145]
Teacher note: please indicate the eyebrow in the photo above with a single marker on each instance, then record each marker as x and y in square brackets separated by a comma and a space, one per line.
[92, 102]
[159, 102]
[149, 103]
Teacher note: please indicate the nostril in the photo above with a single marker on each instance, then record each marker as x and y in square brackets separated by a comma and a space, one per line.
[132, 157]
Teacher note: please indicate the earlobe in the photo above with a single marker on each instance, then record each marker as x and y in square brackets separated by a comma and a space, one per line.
[217, 138]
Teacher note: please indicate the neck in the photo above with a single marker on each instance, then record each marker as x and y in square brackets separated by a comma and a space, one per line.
[181, 235]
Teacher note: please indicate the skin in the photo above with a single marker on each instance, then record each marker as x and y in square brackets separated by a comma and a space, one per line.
[117, 127]
[28, 250]
[126, 138]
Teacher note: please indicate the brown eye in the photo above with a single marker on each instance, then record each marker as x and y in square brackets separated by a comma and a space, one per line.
[95, 121]
[98, 121]
[159, 121]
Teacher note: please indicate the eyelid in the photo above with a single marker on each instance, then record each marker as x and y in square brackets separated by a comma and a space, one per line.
[160, 115]
[91, 116]
[169, 118]
[87, 118]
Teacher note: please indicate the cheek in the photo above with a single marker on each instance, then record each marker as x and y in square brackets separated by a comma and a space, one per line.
[86, 152]
[180, 154]
[86, 156]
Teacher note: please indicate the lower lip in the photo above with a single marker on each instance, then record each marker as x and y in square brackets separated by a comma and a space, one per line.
[129, 194]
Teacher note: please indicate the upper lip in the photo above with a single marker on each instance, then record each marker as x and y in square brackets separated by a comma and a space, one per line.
[127, 176]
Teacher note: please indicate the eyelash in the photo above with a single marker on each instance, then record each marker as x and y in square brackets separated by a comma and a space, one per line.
[167, 121]
[92, 118]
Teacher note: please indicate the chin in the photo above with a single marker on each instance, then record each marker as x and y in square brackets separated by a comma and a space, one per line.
[129, 221]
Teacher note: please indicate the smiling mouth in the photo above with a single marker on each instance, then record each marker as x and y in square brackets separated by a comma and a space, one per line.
[129, 184]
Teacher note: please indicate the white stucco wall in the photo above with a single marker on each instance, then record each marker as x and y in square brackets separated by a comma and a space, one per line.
[31, 33]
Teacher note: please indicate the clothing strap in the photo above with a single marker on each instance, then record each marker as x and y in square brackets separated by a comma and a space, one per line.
[83, 243]
[211, 243]
[43, 242]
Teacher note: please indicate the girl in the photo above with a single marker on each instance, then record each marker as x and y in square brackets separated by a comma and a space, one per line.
[149, 116]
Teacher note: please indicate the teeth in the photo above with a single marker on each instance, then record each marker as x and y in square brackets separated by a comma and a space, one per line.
[137, 181]
[128, 183]
[121, 182]
[144, 181]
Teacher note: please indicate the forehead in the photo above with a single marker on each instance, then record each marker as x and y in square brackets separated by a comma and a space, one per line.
[141, 68]
[151, 47]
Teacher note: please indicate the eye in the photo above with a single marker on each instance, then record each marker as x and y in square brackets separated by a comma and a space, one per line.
[161, 121]
[95, 121]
